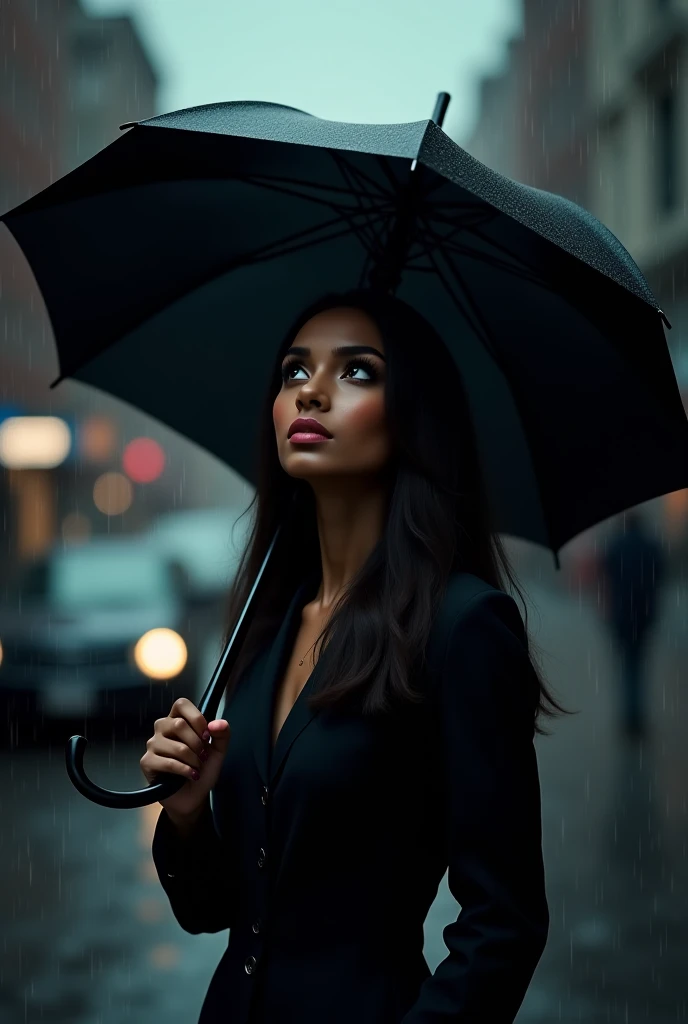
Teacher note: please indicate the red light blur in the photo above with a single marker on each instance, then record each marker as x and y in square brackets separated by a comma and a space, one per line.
[143, 460]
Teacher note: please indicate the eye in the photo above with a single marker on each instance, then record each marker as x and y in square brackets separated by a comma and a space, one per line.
[367, 364]
[288, 366]
[361, 362]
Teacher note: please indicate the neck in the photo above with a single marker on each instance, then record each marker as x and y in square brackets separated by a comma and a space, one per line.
[351, 516]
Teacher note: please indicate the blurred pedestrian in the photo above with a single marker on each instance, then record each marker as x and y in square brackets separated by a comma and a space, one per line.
[633, 569]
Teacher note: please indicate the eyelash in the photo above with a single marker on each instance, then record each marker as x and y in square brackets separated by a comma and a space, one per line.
[367, 363]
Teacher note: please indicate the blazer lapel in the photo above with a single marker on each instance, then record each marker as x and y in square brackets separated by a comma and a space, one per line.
[268, 761]
[298, 718]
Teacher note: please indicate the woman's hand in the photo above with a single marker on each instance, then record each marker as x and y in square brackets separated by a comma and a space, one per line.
[177, 746]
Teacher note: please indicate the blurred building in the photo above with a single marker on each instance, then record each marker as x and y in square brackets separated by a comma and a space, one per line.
[639, 115]
[639, 172]
[67, 82]
[591, 104]
[497, 136]
[532, 116]
[111, 81]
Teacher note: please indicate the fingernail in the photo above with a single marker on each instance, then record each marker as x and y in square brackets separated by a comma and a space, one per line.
[195, 775]
[203, 755]
[206, 736]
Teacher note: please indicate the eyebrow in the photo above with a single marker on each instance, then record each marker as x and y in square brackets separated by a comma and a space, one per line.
[340, 350]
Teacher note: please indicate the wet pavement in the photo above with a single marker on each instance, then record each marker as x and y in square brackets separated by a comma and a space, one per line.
[88, 936]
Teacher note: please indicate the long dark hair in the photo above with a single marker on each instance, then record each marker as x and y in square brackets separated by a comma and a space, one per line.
[438, 522]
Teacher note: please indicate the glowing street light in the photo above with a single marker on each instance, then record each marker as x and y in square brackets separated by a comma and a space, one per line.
[34, 442]
[160, 653]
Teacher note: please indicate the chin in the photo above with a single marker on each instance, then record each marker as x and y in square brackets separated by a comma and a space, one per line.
[308, 472]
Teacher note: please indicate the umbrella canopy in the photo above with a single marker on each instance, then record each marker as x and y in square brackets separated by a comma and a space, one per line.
[172, 262]
[196, 237]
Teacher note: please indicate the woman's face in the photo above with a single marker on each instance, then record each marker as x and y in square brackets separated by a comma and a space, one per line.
[343, 390]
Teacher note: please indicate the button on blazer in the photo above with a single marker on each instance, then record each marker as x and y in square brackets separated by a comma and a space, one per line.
[323, 856]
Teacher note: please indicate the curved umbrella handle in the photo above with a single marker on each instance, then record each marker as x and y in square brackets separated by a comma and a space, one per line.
[170, 783]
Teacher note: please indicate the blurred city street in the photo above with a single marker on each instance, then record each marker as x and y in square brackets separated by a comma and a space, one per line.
[90, 937]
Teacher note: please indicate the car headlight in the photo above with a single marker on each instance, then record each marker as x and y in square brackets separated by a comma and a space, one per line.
[160, 653]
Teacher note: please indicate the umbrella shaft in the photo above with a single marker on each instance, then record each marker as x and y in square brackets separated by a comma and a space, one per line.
[387, 271]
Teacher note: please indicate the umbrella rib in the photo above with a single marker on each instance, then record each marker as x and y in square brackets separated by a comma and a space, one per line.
[361, 175]
[281, 185]
[483, 257]
[475, 319]
[341, 210]
[470, 310]
[421, 241]
[398, 186]
[357, 172]
[514, 268]
[468, 219]
[377, 241]
[404, 192]
[275, 248]
[369, 223]
[371, 246]
[262, 178]
[502, 249]
[349, 174]
[293, 248]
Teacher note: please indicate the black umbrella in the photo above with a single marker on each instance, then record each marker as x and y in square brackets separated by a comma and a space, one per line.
[195, 238]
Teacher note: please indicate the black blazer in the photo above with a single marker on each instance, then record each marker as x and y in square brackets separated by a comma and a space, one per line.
[324, 859]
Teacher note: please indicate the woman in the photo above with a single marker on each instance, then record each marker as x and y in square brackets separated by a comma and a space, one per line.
[381, 714]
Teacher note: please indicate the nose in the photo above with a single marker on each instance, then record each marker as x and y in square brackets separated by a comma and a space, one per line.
[307, 396]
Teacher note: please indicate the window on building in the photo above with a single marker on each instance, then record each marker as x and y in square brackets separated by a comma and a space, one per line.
[667, 148]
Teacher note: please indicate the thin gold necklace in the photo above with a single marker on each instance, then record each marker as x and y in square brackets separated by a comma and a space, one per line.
[310, 648]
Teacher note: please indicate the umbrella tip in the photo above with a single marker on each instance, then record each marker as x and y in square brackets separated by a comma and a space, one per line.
[127, 124]
[440, 110]
[664, 317]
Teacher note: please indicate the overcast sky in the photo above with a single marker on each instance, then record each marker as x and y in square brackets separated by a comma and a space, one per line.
[380, 61]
